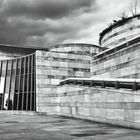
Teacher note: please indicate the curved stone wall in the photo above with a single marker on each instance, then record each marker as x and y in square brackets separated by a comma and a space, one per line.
[120, 32]
[119, 62]
[76, 48]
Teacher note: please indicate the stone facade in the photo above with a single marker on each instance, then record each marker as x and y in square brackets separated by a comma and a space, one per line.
[119, 107]
[85, 49]
[60, 63]
[120, 32]
[120, 62]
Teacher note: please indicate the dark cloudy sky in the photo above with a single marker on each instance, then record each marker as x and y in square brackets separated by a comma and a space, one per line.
[48, 22]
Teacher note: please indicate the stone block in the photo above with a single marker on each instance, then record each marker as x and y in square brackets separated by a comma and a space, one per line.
[137, 116]
[128, 97]
[129, 115]
[115, 114]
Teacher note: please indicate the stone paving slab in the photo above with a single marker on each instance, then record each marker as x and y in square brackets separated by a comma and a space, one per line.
[44, 127]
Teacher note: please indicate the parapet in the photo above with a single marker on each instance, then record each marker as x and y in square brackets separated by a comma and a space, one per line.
[120, 31]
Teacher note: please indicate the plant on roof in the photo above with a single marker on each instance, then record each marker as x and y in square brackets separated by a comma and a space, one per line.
[122, 20]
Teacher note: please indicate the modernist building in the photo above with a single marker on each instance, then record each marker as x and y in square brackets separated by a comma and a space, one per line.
[29, 75]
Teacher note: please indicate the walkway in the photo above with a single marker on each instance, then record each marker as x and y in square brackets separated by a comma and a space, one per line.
[41, 127]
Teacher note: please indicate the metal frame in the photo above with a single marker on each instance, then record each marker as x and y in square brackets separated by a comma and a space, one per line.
[4, 84]
[28, 71]
[23, 85]
[0, 81]
[15, 71]
[10, 85]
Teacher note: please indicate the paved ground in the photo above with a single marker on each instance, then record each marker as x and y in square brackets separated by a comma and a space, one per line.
[18, 127]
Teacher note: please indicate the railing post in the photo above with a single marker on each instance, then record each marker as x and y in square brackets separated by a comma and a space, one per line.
[117, 85]
[75, 82]
[91, 83]
[83, 82]
[103, 84]
[134, 88]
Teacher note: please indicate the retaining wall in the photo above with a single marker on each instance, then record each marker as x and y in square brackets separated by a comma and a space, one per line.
[118, 107]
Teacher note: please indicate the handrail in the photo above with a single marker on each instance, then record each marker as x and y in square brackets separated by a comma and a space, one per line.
[117, 83]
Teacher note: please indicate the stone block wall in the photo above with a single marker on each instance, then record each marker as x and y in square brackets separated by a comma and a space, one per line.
[51, 67]
[121, 63]
[118, 107]
[121, 33]
[77, 48]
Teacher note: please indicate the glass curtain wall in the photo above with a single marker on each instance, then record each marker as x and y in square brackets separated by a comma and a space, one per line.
[17, 84]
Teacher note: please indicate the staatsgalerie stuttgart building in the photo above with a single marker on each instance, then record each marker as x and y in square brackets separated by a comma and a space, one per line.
[29, 75]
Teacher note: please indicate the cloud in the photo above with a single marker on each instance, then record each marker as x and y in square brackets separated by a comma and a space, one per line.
[43, 8]
[47, 22]
[40, 22]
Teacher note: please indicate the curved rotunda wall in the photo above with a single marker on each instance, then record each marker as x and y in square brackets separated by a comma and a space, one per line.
[78, 48]
[119, 62]
[120, 32]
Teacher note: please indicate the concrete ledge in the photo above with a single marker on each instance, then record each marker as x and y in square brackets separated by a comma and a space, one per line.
[9, 112]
